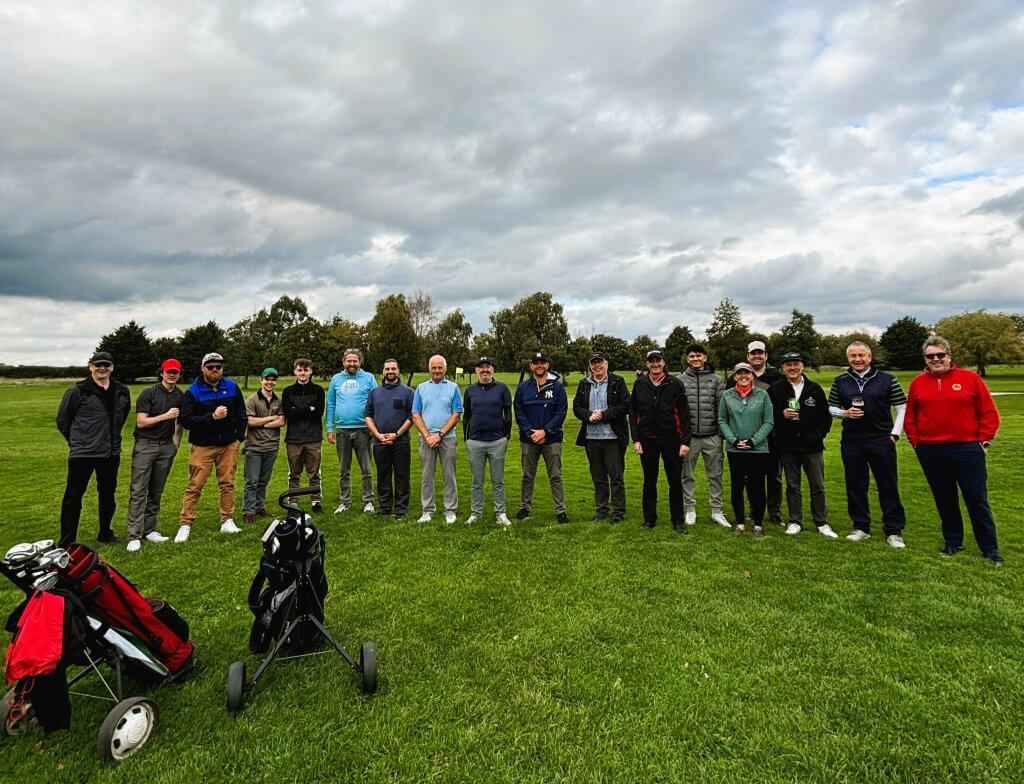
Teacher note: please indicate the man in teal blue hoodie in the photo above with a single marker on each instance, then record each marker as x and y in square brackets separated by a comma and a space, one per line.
[346, 427]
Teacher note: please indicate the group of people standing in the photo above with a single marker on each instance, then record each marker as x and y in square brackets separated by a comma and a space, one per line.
[767, 424]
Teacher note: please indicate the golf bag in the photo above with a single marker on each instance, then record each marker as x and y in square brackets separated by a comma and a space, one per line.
[290, 549]
[111, 597]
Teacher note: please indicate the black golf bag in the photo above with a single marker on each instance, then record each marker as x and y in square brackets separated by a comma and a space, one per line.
[277, 595]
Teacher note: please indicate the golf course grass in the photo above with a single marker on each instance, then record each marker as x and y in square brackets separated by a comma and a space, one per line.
[582, 652]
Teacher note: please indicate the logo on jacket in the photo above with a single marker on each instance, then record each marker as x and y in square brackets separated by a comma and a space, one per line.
[957, 387]
[810, 402]
[549, 394]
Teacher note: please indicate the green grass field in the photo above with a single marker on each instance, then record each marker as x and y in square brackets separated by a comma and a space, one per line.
[584, 652]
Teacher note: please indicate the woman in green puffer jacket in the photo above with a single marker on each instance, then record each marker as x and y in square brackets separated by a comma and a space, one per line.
[745, 418]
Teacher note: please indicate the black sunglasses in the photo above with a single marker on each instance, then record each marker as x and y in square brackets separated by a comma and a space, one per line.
[214, 367]
[103, 364]
[936, 355]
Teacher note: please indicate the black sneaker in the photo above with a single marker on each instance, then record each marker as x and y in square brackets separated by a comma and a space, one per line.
[680, 528]
[317, 508]
[648, 523]
[950, 550]
[522, 514]
[615, 519]
[562, 518]
[597, 518]
[399, 515]
[107, 537]
[994, 557]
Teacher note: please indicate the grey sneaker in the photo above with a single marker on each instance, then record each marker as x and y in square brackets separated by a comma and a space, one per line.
[858, 536]
[895, 541]
[472, 519]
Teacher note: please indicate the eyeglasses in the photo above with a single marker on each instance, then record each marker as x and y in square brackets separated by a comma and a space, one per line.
[214, 367]
[936, 355]
[756, 351]
[103, 365]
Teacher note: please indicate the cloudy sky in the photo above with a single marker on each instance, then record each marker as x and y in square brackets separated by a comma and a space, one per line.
[173, 162]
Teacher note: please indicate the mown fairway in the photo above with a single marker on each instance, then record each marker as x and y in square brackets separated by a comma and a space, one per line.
[571, 653]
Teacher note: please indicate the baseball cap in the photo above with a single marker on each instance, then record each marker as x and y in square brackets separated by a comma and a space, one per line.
[213, 356]
[170, 364]
[756, 345]
[792, 356]
[597, 356]
[540, 356]
[484, 361]
[655, 353]
[102, 356]
[742, 366]
[270, 372]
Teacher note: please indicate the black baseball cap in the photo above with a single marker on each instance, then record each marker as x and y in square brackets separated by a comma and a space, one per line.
[539, 356]
[655, 353]
[484, 361]
[102, 356]
[791, 356]
[597, 356]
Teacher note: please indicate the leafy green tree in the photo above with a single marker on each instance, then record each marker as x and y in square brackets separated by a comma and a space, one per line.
[638, 351]
[339, 335]
[132, 352]
[675, 345]
[534, 323]
[982, 338]
[164, 348]
[833, 347]
[304, 339]
[450, 338]
[577, 354]
[727, 336]
[616, 349]
[198, 341]
[390, 333]
[902, 343]
[800, 335]
[287, 312]
[251, 343]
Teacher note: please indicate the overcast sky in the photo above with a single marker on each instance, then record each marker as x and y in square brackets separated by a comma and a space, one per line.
[176, 162]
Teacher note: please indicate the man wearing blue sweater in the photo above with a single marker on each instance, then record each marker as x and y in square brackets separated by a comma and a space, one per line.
[540, 407]
[346, 427]
[486, 426]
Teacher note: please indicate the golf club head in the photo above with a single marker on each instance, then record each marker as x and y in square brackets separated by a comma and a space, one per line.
[20, 553]
[57, 557]
[45, 582]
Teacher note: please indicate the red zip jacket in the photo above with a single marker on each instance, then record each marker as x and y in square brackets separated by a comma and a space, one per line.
[954, 408]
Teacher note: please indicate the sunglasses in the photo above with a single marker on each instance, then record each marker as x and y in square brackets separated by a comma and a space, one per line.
[936, 355]
[214, 367]
[103, 365]
[756, 351]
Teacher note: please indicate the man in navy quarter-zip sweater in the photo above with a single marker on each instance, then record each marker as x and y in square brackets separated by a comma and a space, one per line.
[540, 406]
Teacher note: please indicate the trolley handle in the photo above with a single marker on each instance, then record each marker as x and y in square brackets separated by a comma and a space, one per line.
[283, 498]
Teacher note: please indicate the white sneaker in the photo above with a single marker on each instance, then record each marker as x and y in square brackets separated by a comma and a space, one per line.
[155, 536]
[229, 527]
[449, 517]
[425, 518]
[341, 508]
[793, 528]
[134, 545]
[858, 536]
[368, 509]
[502, 519]
[691, 517]
[895, 541]
[472, 519]
[182, 535]
[718, 517]
[827, 532]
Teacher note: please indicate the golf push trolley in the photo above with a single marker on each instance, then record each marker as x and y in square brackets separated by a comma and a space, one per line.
[287, 599]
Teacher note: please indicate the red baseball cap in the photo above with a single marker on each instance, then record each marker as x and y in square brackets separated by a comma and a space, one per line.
[170, 364]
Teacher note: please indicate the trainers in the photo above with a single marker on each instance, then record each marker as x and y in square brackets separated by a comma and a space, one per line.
[690, 517]
[648, 523]
[950, 550]
[793, 528]
[368, 509]
[341, 508]
[502, 519]
[758, 532]
[182, 535]
[426, 517]
[262, 512]
[777, 519]
[107, 537]
[399, 515]
[827, 532]
[522, 514]
[229, 527]
[718, 517]
[599, 517]
[562, 517]
[614, 519]
[317, 508]
[994, 557]
[155, 536]
[249, 519]
[895, 541]
[449, 517]
[472, 519]
[680, 528]
[134, 545]
[858, 536]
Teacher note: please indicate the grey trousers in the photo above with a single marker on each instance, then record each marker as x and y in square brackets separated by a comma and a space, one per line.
[607, 461]
[481, 453]
[531, 455]
[151, 464]
[259, 467]
[710, 447]
[813, 464]
[445, 452]
[346, 441]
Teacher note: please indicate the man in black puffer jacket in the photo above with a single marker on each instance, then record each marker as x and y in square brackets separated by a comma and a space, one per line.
[90, 417]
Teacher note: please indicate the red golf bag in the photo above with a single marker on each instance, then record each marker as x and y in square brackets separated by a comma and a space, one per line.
[113, 599]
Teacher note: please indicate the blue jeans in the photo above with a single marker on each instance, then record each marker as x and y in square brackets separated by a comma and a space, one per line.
[948, 466]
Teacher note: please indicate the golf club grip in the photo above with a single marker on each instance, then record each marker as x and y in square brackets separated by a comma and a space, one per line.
[297, 492]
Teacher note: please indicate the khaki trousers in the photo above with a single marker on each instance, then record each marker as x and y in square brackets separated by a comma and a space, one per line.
[202, 461]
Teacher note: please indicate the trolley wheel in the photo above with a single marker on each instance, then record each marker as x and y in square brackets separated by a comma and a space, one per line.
[236, 688]
[368, 667]
[21, 722]
[127, 728]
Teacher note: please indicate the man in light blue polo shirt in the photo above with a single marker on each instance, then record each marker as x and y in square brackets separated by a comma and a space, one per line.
[436, 408]
[346, 427]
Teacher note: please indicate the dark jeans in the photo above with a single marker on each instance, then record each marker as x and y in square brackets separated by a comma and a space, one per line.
[607, 468]
[393, 461]
[879, 456]
[80, 470]
[947, 466]
[773, 482]
[668, 453]
[747, 471]
[812, 464]
[258, 470]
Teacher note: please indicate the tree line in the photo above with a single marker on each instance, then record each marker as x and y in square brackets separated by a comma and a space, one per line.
[410, 328]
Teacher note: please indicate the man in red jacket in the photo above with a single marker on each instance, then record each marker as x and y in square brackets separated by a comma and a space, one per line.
[951, 420]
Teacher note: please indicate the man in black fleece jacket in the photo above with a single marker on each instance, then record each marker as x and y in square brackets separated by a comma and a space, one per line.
[303, 407]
